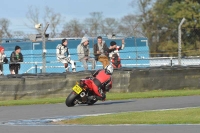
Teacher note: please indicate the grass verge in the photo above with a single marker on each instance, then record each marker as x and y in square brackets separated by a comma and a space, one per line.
[152, 94]
[182, 116]
[32, 101]
[110, 96]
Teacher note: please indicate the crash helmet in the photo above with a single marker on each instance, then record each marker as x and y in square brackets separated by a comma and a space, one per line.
[109, 69]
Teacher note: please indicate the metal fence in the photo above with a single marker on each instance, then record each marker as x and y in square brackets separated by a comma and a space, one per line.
[135, 54]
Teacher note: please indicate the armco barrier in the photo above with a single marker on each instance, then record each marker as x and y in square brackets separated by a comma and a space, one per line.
[165, 78]
[27, 86]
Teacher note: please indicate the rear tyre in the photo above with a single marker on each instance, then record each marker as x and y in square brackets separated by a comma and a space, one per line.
[70, 100]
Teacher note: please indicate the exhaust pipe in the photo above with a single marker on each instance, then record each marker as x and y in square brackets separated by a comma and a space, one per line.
[82, 94]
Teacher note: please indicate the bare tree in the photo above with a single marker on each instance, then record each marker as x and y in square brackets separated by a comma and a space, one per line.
[1, 35]
[144, 15]
[148, 20]
[54, 19]
[19, 34]
[33, 16]
[4, 25]
[128, 25]
[109, 25]
[94, 23]
[72, 29]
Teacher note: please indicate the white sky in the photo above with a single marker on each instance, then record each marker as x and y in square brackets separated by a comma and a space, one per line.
[16, 10]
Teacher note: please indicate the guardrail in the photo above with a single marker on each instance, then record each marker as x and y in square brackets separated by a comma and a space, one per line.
[126, 62]
[155, 61]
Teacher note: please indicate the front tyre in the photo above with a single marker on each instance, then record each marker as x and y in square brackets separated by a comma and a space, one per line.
[70, 100]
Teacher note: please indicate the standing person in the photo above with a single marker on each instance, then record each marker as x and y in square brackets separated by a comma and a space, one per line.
[15, 57]
[3, 59]
[114, 53]
[101, 52]
[84, 54]
[63, 55]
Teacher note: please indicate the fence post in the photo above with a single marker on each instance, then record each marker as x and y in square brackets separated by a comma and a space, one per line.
[136, 56]
[40, 69]
[179, 41]
[44, 48]
[36, 68]
[171, 61]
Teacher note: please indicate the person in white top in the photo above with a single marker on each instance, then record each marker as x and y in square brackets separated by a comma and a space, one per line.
[3, 59]
[114, 53]
[63, 55]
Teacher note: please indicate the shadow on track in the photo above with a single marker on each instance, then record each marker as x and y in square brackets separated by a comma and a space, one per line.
[107, 103]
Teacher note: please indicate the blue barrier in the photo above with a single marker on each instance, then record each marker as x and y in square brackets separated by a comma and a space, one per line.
[135, 53]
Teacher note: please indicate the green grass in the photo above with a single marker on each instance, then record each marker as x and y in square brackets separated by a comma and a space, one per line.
[110, 96]
[152, 94]
[182, 116]
[32, 101]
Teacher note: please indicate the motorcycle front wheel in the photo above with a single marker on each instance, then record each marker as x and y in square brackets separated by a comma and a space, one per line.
[70, 100]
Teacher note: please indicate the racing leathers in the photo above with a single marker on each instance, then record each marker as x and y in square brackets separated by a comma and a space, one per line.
[102, 82]
[63, 55]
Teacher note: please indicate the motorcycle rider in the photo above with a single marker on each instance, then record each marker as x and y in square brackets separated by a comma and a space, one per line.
[102, 81]
[63, 55]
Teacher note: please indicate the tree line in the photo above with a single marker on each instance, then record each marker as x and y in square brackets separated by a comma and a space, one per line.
[157, 20]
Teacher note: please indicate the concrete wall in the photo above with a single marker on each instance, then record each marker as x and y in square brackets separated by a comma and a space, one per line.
[124, 80]
[165, 79]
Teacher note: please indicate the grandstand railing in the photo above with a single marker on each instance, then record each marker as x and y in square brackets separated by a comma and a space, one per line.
[153, 62]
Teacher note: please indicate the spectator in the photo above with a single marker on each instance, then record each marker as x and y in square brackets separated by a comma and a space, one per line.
[15, 57]
[3, 59]
[84, 54]
[63, 55]
[101, 52]
[114, 53]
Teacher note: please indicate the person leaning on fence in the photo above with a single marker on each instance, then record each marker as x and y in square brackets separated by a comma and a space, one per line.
[3, 59]
[63, 55]
[101, 52]
[15, 57]
[84, 54]
[114, 53]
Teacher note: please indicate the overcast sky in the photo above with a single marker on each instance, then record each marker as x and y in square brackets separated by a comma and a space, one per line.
[16, 10]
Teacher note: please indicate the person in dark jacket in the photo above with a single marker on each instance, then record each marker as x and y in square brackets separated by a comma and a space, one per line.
[101, 52]
[15, 57]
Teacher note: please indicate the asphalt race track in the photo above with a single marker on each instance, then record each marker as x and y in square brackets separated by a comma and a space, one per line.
[36, 118]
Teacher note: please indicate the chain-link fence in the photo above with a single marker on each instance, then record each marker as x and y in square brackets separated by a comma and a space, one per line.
[137, 53]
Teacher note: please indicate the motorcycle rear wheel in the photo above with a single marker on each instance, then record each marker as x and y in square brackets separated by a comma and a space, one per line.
[70, 100]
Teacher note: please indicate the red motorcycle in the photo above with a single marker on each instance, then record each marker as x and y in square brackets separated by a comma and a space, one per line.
[82, 93]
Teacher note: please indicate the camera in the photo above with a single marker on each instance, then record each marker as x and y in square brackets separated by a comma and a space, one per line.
[37, 26]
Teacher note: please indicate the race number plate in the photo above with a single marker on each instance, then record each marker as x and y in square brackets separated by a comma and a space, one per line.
[77, 89]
